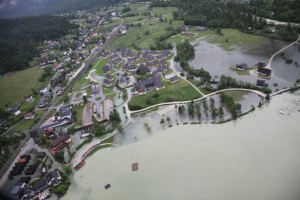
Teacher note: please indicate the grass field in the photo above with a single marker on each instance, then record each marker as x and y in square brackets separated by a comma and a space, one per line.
[16, 86]
[240, 72]
[230, 39]
[180, 91]
[99, 66]
[24, 125]
[137, 34]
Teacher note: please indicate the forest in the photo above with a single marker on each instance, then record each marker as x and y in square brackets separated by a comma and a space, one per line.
[46, 7]
[242, 16]
[20, 38]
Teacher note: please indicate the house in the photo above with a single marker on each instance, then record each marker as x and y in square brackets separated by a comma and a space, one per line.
[107, 83]
[40, 186]
[66, 112]
[109, 77]
[143, 86]
[15, 111]
[142, 71]
[46, 95]
[260, 82]
[106, 68]
[29, 98]
[261, 64]
[242, 66]
[54, 178]
[41, 154]
[264, 71]
[95, 88]
[42, 103]
[29, 115]
[60, 142]
[43, 90]
[25, 179]
[49, 133]
[31, 169]
[39, 172]
[173, 79]
[17, 188]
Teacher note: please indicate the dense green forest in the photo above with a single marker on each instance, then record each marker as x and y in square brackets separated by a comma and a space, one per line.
[45, 7]
[242, 16]
[19, 39]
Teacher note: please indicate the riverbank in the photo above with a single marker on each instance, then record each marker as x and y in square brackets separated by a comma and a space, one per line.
[255, 157]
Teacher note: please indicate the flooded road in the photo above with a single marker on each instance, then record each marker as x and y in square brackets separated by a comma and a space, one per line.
[255, 158]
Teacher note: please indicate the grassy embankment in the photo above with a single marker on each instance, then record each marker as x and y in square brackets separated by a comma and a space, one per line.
[180, 91]
[16, 86]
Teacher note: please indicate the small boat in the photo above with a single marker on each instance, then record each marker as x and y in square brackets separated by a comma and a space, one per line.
[281, 112]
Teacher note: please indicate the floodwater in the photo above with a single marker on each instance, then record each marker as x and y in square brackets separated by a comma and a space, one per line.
[253, 158]
[218, 61]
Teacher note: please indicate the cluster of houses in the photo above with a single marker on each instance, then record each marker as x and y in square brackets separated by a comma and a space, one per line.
[261, 68]
[53, 130]
[23, 190]
[150, 64]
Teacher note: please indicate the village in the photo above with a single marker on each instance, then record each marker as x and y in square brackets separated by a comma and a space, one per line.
[70, 124]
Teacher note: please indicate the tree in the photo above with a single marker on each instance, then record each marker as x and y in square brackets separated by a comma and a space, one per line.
[268, 97]
[43, 139]
[114, 116]
[220, 112]
[191, 110]
[67, 169]
[181, 109]
[198, 111]
[59, 156]
[84, 99]
[99, 129]
[168, 119]
[162, 121]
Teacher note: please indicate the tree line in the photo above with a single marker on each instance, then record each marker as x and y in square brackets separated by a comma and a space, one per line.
[20, 38]
[186, 52]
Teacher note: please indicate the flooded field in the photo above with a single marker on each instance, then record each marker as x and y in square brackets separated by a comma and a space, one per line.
[218, 61]
[255, 157]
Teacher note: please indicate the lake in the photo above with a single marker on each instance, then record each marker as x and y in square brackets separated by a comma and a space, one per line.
[255, 157]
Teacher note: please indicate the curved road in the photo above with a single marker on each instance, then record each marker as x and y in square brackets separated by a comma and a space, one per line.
[195, 100]
[272, 57]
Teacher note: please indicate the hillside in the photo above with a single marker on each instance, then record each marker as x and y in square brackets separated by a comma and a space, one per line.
[45, 7]
[19, 39]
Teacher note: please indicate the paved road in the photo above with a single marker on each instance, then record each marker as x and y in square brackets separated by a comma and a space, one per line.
[269, 65]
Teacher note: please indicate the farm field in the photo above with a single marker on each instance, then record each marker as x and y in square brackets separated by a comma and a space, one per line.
[13, 87]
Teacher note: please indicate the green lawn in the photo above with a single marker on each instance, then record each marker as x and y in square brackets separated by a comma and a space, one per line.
[99, 66]
[25, 124]
[237, 38]
[79, 112]
[137, 34]
[180, 91]
[106, 90]
[240, 72]
[16, 86]
[230, 39]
